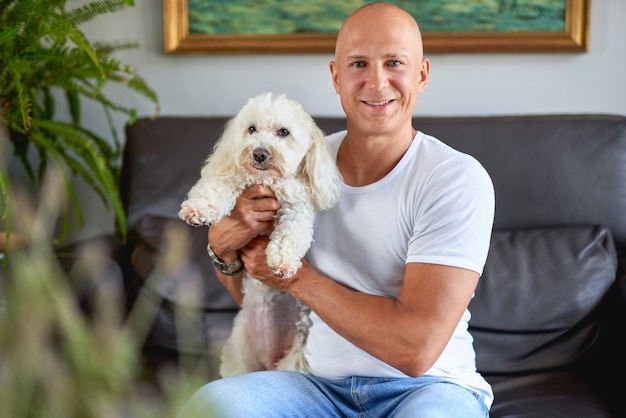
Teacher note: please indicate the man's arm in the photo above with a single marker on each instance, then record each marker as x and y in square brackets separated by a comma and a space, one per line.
[408, 333]
[252, 215]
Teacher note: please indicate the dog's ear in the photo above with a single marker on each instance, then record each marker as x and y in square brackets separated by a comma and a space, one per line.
[319, 170]
[224, 158]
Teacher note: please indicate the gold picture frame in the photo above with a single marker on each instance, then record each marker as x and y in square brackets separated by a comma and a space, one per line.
[178, 40]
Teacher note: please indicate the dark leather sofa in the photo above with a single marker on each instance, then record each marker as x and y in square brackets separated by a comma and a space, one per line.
[549, 314]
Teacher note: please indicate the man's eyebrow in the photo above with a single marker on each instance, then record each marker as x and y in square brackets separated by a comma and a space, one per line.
[399, 54]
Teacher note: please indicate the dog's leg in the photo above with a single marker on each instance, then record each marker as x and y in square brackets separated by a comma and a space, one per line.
[269, 332]
[240, 353]
[238, 357]
[290, 239]
[208, 201]
[294, 358]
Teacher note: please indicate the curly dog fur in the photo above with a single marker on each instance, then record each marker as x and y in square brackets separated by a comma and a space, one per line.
[271, 141]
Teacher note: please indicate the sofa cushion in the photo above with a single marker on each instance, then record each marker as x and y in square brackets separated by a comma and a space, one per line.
[193, 274]
[535, 307]
[547, 394]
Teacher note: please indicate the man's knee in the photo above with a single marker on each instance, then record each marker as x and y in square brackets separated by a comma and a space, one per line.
[445, 400]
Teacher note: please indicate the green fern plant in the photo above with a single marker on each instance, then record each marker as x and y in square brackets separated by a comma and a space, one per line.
[43, 57]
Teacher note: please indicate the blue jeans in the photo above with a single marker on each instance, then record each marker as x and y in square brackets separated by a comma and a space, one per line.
[289, 394]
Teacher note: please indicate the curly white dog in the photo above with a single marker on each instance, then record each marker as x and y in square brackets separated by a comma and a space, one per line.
[271, 141]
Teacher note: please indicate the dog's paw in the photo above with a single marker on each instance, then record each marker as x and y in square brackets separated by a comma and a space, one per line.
[282, 259]
[285, 271]
[192, 215]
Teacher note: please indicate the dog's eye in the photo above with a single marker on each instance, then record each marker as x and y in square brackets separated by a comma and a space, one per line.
[283, 132]
[252, 129]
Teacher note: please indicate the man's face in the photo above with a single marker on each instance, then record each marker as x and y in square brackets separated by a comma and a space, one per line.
[378, 71]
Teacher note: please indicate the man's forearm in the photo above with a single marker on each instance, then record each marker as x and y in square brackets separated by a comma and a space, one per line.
[233, 284]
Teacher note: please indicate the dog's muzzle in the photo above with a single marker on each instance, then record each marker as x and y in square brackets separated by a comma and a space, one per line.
[262, 158]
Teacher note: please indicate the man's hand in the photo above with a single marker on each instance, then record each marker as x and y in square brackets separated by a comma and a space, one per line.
[253, 215]
[255, 260]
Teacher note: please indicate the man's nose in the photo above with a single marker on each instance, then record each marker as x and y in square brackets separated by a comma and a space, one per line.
[378, 78]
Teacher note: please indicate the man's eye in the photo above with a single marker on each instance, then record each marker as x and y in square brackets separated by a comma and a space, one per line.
[252, 129]
[359, 64]
[283, 132]
[394, 63]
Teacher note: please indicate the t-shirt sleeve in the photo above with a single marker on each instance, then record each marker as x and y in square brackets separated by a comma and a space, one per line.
[454, 216]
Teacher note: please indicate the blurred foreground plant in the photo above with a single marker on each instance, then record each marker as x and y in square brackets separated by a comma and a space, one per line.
[60, 360]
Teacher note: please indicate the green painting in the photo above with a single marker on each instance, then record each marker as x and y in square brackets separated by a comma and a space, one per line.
[276, 17]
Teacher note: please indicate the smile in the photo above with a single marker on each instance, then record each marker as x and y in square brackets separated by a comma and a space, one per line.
[378, 103]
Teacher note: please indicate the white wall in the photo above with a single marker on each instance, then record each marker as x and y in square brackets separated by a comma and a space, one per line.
[460, 84]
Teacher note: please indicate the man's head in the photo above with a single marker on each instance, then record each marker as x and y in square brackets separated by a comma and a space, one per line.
[379, 68]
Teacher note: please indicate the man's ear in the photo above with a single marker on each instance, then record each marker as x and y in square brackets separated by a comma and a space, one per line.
[333, 74]
[424, 74]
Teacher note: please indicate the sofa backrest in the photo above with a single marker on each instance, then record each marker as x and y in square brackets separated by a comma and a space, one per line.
[558, 179]
[547, 171]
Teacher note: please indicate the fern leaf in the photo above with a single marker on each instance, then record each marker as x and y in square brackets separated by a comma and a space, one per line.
[5, 207]
[73, 199]
[5, 187]
[73, 103]
[89, 11]
[8, 34]
[139, 85]
[116, 139]
[62, 164]
[79, 39]
[107, 48]
[73, 147]
[23, 98]
[90, 153]
[49, 106]
[100, 176]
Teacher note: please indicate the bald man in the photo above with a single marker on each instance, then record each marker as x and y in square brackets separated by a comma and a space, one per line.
[394, 264]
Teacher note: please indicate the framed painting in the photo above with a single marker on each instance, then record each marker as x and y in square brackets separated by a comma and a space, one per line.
[310, 26]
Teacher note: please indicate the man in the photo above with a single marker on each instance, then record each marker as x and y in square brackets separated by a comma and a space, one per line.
[394, 264]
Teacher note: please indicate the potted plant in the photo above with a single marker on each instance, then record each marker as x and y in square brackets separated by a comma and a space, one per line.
[45, 59]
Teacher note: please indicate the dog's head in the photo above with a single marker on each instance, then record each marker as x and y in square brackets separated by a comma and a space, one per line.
[274, 137]
[271, 134]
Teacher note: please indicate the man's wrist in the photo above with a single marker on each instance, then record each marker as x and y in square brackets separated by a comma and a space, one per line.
[232, 268]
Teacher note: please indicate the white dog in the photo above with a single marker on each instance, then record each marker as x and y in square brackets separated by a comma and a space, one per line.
[271, 141]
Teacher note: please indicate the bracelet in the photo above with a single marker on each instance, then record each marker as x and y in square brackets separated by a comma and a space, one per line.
[232, 273]
[229, 269]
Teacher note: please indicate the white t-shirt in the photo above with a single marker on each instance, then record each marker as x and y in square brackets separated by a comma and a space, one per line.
[435, 206]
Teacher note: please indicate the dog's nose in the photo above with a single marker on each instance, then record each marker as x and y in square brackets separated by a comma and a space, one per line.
[260, 155]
